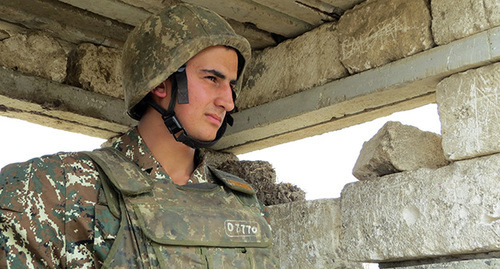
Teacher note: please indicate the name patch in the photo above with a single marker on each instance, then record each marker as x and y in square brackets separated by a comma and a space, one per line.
[241, 228]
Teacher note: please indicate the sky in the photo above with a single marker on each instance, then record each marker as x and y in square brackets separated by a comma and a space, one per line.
[320, 165]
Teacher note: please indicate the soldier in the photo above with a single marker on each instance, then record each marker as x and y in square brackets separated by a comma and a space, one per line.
[150, 200]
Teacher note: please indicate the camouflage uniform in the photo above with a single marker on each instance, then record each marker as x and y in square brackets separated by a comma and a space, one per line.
[53, 212]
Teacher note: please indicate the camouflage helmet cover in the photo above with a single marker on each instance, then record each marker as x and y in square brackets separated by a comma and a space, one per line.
[164, 42]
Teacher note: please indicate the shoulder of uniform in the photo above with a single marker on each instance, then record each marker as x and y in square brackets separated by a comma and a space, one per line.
[231, 181]
[46, 163]
[41, 174]
[121, 171]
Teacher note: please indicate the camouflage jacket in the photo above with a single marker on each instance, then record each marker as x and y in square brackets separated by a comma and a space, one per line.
[53, 213]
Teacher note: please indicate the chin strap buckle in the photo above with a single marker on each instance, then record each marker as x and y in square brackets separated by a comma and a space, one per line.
[173, 125]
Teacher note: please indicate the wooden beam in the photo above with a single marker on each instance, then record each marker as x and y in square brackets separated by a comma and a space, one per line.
[261, 16]
[341, 4]
[258, 39]
[64, 22]
[112, 9]
[301, 12]
[68, 106]
[135, 14]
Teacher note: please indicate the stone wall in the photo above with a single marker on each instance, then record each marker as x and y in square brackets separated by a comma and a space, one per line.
[372, 34]
[308, 235]
[36, 53]
[451, 212]
[422, 203]
[469, 109]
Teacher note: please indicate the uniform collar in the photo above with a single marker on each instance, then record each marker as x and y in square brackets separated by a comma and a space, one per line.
[132, 145]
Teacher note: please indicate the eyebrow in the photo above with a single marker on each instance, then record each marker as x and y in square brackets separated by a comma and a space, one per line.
[218, 74]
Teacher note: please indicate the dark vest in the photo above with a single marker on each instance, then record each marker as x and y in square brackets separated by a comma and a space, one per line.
[164, 225]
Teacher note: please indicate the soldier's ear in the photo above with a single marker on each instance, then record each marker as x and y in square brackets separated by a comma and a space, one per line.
[163, 89]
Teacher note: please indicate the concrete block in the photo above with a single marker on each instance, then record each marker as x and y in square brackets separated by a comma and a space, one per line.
[309, 60]
[470, 113]
[307, 235]
[424, 213]
[377, 32]
[397, 147]
[36, 54]
[492, 8]
[96, 69]
[456, 19]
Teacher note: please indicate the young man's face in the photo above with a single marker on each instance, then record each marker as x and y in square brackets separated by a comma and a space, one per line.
[211, 75]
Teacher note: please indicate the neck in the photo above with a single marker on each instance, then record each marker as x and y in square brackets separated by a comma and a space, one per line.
[176, 158]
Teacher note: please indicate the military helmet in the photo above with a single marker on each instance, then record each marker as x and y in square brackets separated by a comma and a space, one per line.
[163, 43]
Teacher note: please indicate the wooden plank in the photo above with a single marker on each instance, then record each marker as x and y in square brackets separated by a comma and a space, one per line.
[262, 17]
[342, 4]
[258, 39]
[27, 94]
[64, 22]
[296, 10]
[8, 108]
[9, 30]
[133, 15]
[112, 9]
[12, 29]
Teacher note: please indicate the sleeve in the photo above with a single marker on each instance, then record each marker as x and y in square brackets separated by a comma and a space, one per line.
[46, 213]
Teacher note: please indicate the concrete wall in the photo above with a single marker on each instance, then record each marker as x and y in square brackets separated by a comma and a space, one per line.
[421, 202]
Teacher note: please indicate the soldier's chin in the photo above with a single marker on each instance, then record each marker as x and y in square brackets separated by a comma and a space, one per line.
[209, 140]
[206, 138]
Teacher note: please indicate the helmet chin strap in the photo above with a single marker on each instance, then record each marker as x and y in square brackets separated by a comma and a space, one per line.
[179, 93]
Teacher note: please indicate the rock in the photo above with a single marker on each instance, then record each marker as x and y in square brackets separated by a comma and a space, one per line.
[97, 69]
[397, 147]
[295, 65]
[36, 54]
[456, 19]
[378, 32]
[425, 213]
[307, 235]
[470, 113]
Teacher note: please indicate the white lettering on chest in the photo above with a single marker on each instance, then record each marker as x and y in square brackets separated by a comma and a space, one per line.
[241, 228]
